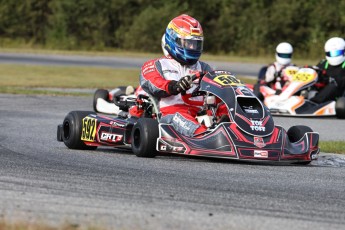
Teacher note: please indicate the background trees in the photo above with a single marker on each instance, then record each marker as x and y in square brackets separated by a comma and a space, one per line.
[241, 27]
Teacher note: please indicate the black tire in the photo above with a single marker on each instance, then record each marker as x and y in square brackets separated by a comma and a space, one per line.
[59, 133]
[295, 133]
[100, 93]
[72, 128]
[340, 108]
[144, 137]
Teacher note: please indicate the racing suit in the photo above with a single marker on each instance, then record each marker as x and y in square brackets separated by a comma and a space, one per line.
[272, 75]
[333, 79]
[155, 77]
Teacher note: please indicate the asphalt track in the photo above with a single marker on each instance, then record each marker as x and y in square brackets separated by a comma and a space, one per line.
[112, 62]
[41, 180]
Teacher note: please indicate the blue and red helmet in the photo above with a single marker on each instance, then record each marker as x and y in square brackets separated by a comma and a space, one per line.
[184, 39]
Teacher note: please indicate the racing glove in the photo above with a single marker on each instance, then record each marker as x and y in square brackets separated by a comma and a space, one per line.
[181, 86]
[278, 74]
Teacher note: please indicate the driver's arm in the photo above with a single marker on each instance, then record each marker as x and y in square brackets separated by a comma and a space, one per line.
[152, 79]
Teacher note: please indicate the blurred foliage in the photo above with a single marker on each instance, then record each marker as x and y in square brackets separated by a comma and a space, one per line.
[241, 27]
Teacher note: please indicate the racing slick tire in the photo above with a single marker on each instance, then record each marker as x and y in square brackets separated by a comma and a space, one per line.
[59, 133]
[72, 129]
[340, 108]
[100, 93]
[295, 133]
[144, 137]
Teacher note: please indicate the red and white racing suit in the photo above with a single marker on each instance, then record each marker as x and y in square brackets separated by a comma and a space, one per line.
[271, 78]
[154, 79]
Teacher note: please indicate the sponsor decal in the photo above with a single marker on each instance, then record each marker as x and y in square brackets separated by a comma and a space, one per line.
[243, 91]
[259, 142]
[177, 149]
[314, 156]
[260, 154]
[195, 31]
[257, 126]
[180, 122]
[149, 64]
[250, 109]
[111, 137]
[149, 67]
[148, 71]
[170, 71]
[114, 123]
[89, 129]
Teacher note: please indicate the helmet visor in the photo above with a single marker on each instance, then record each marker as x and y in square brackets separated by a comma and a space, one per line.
[282, 55]
[190, 44]
[335, 53]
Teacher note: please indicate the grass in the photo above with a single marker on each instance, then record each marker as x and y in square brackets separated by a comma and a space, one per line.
[26, 79]
[6, 225]
[332, 146]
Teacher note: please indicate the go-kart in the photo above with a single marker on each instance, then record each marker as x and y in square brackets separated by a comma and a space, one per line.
[294, 99]
[283, 78]
[247, 132]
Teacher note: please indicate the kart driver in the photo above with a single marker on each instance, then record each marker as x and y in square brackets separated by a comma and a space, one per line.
[332, 71]
[271, 76]
[168, 77]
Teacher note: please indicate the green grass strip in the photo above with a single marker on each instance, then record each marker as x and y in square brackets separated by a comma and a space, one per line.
[332, 146]
[13, 76]
[26, 78]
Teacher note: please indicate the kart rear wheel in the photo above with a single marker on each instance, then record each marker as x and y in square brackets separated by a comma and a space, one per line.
[340, 108]
[72, 128]
[100, 93]
[295, 133]
[144, 137]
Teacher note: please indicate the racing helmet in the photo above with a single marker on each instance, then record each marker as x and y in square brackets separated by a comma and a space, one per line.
[184, 39]
[284, 53]
[163, 46]
[334, 49]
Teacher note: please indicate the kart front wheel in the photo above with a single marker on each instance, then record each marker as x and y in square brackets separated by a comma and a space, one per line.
[100, 93]
[144, 137]
[340, 108]
[295, 133]
[72, 129]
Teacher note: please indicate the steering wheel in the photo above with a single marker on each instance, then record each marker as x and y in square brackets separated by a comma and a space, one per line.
[186, 97]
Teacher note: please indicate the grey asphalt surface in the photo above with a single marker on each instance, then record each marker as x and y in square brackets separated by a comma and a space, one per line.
[42, 180]
[112, 62]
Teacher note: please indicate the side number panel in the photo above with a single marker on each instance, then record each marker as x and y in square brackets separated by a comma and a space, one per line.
[89, 129]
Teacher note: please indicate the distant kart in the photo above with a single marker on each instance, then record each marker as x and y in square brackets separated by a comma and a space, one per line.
[248, 131]
[294, 100]
[284, 77]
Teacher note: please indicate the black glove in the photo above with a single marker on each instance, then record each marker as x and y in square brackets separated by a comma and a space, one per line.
[278, 74]
[278, 91]
[181, 86]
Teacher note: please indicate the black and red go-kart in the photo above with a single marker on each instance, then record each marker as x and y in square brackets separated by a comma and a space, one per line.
[248, 133]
